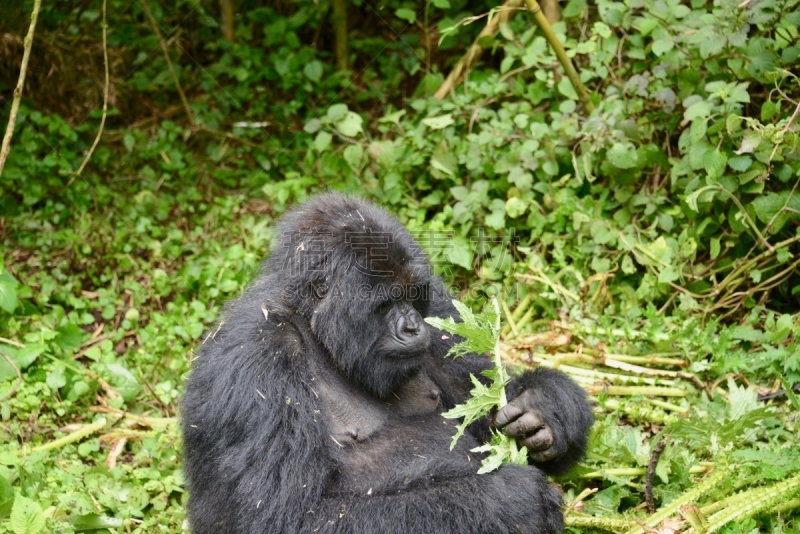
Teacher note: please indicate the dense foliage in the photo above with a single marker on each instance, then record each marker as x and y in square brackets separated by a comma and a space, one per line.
[650, 248]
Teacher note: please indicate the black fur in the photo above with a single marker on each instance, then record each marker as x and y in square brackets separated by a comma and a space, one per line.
[315, 405]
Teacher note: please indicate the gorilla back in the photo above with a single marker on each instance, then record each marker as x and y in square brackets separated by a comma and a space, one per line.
[315, 405]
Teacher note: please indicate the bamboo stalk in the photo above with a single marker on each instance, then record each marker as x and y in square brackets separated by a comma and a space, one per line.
[561, 54]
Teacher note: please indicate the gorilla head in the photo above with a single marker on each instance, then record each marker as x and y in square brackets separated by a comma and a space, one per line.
[352, 268]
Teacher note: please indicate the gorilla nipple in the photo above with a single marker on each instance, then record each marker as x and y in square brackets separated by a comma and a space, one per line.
[352, 432]
[435, 394]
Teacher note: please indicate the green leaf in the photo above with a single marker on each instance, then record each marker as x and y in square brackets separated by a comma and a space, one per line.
[715, 248]
[566, 89]
[350, 125]
[406, 14]
[742, 400]
[8, 291]
[6, 497]
[312, 126]
[768, 110]
[354, 156]
[515, 207]
[700, 109]
[336, 112]
[662, 46]
[122, 380]
[322, 141]
[479, 331]
[313, 71]
[623, 155]
[502, 449]
[767, 206]
[27, 516]
[714, 162]
[95, 522]
[437, 123]
[460, 252]
[750, 143]
[740, 163]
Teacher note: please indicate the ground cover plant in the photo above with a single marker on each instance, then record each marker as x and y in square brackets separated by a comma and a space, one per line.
[649, 248]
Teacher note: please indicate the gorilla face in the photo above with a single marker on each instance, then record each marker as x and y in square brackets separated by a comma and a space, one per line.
[364, 289]
[388, 337]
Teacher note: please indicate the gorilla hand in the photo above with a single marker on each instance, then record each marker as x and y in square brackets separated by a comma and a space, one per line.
[521, 420]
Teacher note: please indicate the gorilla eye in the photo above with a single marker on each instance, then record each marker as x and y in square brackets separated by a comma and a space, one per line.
[384, 307]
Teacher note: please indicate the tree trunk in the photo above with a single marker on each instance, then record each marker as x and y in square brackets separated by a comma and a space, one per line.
[340, 30]
[226, 11]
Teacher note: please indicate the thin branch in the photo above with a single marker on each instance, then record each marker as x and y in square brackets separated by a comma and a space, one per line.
[26, 55]
[105, 95]
[164, 49]
[474, 52]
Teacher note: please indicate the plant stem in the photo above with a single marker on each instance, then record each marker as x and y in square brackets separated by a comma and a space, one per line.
[23, 69]
[145, 5]
[633, 472]
[561, 54]
[105, 95]
[72, 437]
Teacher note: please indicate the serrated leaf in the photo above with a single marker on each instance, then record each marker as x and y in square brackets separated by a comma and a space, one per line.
[478, 330]
[714, 161]
[502, 449]
[483, 399]
[27, 516]
[740, 163]
[742, 400]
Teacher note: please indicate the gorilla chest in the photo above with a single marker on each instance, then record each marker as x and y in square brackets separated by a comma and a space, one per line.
[354, 416]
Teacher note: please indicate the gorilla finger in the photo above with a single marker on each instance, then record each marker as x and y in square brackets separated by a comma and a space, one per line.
[543, 456]
[541, 440]
[524, 425]
[506, 414]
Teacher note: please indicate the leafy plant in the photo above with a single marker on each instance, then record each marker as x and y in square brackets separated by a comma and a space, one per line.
[481, 334]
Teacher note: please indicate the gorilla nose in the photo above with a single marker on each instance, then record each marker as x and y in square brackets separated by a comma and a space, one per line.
[410, 326]
[412, 329]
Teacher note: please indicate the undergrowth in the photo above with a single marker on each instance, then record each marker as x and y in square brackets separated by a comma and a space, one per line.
[649, 249]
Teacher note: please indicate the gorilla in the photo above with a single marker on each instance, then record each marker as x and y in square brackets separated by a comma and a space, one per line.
[315, 405]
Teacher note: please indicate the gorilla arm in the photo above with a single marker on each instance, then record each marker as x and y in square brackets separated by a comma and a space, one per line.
[252, 441]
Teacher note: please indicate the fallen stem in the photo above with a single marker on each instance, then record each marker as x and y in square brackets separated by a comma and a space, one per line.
[72, 437]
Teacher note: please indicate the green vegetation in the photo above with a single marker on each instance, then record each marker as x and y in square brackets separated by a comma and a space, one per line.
[650, 248]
